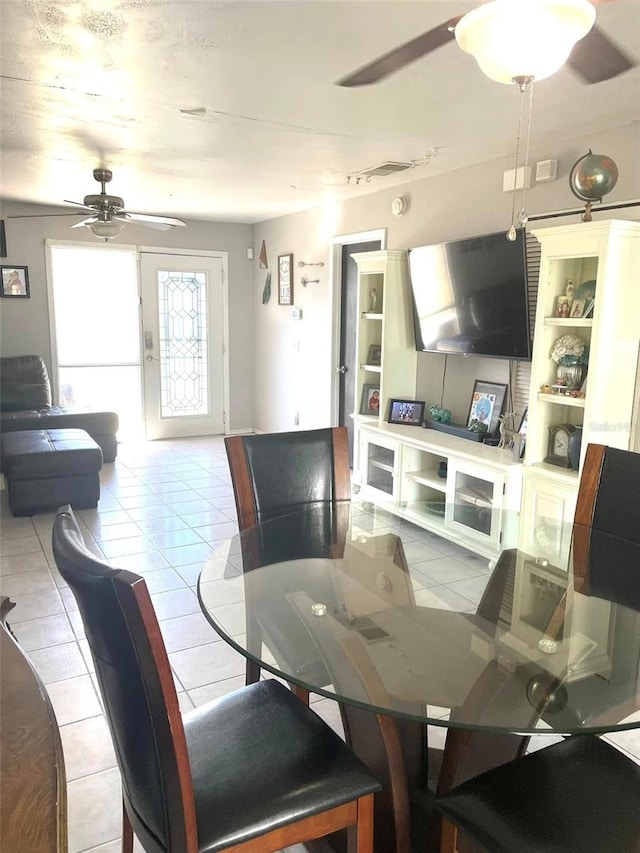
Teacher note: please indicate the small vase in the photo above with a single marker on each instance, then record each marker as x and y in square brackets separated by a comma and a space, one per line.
[570, 375]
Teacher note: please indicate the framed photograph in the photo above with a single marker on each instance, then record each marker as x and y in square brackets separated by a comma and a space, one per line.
[375, 355]
[406, 412]
[285, 279]
[370, 403]
[486, 405]
[577, 308]
[3, 240]
[15, 282]
[588, 308]
[563, 306]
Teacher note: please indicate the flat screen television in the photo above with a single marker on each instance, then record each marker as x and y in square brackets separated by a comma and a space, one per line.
[470, 297]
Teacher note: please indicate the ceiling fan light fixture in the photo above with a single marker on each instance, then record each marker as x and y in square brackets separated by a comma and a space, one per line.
[105, 230]
[524, 38]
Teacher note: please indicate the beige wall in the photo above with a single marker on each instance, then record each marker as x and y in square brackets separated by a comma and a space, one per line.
[280, 367]
[24, 323]
[288, 380]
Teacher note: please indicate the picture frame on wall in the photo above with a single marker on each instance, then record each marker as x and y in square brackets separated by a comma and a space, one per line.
[486, 405]
[285, 279]
[14, 282]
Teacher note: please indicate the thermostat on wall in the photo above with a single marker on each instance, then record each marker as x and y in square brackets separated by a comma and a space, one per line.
[296, 313]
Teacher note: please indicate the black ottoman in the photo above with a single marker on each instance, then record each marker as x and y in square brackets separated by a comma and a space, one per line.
[47, 468]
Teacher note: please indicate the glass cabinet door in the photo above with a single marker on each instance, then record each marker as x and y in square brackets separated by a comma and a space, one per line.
[474, 502]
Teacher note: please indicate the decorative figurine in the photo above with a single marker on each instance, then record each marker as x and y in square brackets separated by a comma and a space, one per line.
[373, 301]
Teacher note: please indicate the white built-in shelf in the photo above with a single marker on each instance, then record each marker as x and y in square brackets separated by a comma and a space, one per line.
[372, 368]
[383, 466]
[562, 400]
[576, 322]
[415, 510]
[428, 478]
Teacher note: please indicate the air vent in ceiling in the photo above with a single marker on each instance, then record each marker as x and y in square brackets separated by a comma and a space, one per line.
[384, 169]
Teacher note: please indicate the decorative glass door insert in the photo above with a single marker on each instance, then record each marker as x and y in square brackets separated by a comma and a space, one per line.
[183, 343]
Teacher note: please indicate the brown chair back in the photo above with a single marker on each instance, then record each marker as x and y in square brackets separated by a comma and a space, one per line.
[137, 687]
[275, 472]
[606, 530]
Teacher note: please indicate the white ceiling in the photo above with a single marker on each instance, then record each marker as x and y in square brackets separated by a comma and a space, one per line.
[103, 82]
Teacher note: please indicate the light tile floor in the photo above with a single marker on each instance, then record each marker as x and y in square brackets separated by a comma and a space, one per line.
[165, 508]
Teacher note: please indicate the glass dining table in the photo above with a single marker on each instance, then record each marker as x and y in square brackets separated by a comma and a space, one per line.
[324, 597]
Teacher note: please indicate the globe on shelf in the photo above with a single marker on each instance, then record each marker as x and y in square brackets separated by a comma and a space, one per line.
[591, 178]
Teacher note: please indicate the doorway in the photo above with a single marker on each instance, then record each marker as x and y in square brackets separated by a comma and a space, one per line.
[145, 340]
[345, 294]
[183, 324]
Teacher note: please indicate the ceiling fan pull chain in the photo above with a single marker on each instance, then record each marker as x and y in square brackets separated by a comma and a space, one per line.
[522, 216]
[511, 233]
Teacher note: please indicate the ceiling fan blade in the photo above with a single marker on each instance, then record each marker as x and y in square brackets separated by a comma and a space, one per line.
[37, 215]
[150, 220]
[77, 203]
[401, 56]
[596, 58]
[89, 221]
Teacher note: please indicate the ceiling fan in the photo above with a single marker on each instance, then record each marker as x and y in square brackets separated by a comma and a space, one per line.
[107, 214]
[594, 58]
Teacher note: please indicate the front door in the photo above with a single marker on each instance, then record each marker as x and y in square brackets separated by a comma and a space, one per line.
[183, 344]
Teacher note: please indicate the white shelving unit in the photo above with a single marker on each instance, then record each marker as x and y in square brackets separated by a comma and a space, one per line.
[390, 327]
[474, 503]
[608, 253]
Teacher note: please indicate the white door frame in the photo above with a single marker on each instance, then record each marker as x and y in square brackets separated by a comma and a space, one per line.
[201, 253]
[335, 277]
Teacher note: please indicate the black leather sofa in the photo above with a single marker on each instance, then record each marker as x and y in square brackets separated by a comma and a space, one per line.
[25, 403]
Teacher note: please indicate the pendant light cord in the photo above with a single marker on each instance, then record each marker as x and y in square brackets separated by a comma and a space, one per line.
[522, 216]
[521, 83]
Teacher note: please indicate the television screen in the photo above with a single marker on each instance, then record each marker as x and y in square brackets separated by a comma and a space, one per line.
[470, 297]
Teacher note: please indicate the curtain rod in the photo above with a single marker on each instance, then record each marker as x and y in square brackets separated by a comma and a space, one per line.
[579, 210]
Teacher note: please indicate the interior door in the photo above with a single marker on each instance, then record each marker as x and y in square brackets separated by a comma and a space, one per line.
[183, 344]
[348, 321]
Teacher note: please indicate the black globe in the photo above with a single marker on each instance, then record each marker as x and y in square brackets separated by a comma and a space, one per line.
[593, 176]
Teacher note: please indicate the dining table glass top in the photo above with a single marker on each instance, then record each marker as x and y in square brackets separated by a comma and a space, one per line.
[325, 597]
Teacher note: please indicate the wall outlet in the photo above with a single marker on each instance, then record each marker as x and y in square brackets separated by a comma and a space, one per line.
[249, 254]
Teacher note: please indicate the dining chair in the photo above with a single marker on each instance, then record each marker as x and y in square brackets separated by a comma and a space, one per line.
[251, 772]
[580, 795]
[273, 475]
[606, 530]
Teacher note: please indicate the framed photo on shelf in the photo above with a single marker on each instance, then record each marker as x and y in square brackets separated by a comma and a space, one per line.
[577, 308]
[15, 282]
[375, 355]
[487, 401]
[588, 308]
[406, 412]
[370, 403]
[285, 279]
[562, 307]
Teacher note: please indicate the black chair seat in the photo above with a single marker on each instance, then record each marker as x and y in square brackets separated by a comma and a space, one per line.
[292, 765]
[578, 796]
